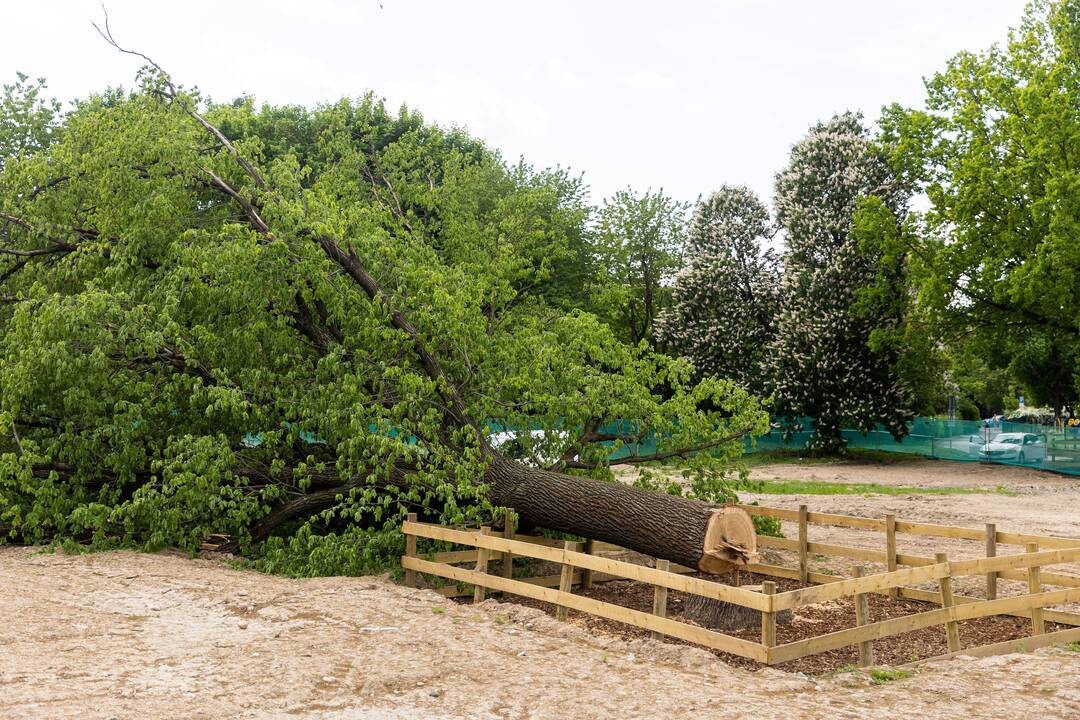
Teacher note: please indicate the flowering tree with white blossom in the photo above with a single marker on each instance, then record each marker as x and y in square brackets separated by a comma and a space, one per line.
[823, 363]
[725, 300]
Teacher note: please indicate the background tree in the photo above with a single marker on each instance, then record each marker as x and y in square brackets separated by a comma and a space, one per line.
[997, 255]
[1045, 365]
[294, 332]
[822, 363]
[27, 118]
[983, 390]
[725, 300]
[638, 246]
[440, 184]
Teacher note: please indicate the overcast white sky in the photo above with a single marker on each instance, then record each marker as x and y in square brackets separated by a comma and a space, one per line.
[680, 95]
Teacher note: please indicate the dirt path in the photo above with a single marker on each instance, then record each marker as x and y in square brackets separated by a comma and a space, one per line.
[922, 473]
[125, 635]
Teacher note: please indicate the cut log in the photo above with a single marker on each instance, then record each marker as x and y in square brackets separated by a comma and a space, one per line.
[712, 538]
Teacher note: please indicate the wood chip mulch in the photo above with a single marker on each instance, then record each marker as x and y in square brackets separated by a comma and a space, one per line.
[807, 622]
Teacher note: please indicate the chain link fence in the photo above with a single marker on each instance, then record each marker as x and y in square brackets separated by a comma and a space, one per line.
[1041, 446]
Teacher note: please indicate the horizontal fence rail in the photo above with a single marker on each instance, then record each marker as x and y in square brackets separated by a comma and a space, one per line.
[583, 565]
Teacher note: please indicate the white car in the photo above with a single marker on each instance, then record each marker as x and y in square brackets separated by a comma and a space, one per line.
[1012, 447]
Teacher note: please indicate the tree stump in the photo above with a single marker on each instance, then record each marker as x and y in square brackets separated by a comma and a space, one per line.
[720, 615]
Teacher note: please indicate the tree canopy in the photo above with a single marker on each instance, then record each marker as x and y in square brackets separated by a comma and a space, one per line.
[638, 246]
[996, 152]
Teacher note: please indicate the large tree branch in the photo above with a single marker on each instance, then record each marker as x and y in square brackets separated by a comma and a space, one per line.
[176, 360]
[16, 221]
[246, 205]
[587, 435]
[59, 248]
[350, 263]
[314, 502]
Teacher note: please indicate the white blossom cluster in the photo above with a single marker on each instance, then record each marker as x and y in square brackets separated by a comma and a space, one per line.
[725, 299]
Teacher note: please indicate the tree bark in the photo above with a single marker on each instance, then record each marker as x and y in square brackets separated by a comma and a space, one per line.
[720, 615]
[710, 538]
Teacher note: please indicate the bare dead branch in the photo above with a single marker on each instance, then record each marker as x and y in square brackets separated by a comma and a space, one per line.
[172, 94]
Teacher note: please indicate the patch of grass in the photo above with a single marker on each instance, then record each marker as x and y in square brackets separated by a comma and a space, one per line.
[1073, 647]
[500, 620]
[883, 675]
[438, 610]
[820, 487]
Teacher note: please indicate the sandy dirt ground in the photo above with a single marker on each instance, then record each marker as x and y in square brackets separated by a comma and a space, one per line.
[127, 635]
[124, 635]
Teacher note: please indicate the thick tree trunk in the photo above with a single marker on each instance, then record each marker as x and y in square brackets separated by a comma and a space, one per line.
[710, 538]
[720, 615]
[695, 534]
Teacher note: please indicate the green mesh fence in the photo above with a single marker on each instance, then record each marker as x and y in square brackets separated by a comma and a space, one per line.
[1049, 447]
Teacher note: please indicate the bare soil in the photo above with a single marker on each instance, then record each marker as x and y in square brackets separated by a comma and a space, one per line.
[128, 635]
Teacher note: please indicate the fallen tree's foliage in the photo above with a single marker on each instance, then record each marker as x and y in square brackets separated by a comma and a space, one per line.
[291, 326]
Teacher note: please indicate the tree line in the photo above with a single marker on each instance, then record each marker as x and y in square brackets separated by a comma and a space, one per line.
[934, 256]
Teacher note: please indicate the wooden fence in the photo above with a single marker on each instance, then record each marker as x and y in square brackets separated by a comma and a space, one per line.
[989, 540]
[582, 564]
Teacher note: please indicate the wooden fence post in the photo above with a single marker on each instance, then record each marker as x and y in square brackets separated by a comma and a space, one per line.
[768, 618]
[804, 545]
[890, 550]
[410, 551]
[659, 602]
[862, 617]
[991, 551]
[952, 629]
[1035, 586]
[508, 533]
[482, 555]
[566, 582]
[586, 575]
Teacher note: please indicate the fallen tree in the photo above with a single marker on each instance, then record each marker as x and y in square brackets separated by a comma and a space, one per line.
[290, 327]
